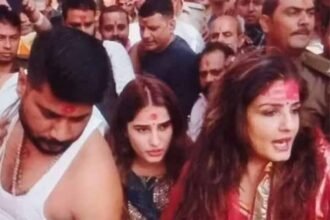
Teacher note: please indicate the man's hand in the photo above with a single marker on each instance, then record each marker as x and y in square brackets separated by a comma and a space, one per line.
[41, 23]
[30, 9]
[3, 129]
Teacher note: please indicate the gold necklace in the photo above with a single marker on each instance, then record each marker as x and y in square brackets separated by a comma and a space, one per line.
[18, 169]
[17, 174]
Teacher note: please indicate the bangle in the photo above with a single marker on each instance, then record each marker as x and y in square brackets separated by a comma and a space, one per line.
[39, 21]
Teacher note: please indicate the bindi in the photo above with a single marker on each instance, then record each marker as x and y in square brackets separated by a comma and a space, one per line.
[68, 109]
[153, 116]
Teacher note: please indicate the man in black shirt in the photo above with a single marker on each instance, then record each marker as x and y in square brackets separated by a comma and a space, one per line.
[167, 56]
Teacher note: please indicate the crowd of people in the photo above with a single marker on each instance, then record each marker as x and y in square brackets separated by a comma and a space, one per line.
[165, 109]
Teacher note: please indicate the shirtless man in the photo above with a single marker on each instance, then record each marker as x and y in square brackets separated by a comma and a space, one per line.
[55, 162]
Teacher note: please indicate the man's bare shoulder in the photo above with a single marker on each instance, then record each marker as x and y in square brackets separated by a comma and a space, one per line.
[95, 182]
[95, 148]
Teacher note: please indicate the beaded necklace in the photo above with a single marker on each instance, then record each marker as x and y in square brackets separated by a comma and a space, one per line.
[18, 169]
[17, 173]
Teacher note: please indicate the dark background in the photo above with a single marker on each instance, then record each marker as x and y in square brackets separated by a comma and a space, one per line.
[15, 5]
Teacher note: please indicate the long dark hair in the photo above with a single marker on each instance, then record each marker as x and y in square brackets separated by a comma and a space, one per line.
[223, 147]
[137, 95]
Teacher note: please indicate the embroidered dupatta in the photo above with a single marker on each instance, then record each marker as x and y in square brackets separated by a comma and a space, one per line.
[319, 208]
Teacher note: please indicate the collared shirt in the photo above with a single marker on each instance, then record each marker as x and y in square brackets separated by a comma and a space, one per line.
[315, 70]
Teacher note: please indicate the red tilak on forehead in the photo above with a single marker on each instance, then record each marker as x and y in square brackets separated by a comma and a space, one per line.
[292, 89]
[68, 109]
[283, 90]
[153, 116]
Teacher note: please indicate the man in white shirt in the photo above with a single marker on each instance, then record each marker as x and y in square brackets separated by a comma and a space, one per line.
[213, 62]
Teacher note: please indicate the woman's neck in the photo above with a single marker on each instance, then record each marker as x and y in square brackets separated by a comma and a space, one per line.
[143, 168]
[255, 169]
[250, 181]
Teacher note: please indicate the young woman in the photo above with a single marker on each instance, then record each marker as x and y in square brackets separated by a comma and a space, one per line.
[148, 137]
[255, 159]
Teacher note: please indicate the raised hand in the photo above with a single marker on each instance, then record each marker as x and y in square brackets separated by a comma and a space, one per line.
[30, 9]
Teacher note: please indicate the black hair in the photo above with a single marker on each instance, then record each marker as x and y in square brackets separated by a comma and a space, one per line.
[77, 4]
[269, 7]
[141, 92]
[9, 17]
[74, 64]
[112, 8]
[216, 46]
[223, 150]
[326, 19]
[15, 5]
[324, 14]
[151, 7]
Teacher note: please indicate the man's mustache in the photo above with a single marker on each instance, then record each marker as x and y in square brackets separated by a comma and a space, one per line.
[55, 142]
[302, 31]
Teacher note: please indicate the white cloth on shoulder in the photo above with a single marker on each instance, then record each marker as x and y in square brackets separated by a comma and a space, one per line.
[121, 64]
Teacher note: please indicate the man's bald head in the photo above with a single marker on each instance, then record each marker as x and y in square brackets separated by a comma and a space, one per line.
[227, 29]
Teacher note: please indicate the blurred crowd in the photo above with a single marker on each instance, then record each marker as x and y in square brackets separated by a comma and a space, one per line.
[165, 109]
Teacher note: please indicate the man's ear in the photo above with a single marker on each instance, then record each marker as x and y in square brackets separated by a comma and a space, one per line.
[230, 59]
[265, 23]
[172, 24]
[241, 41]
[22, 82]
